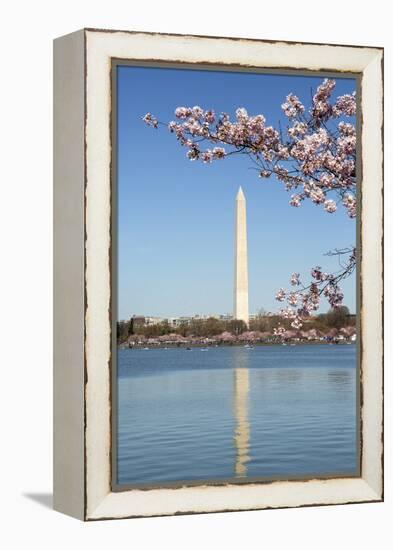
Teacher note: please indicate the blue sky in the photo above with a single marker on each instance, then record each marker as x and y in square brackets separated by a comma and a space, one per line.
[176, 217]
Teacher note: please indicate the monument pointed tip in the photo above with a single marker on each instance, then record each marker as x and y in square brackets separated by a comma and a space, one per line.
[240, 194]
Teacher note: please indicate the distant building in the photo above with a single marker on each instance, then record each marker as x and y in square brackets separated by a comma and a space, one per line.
[147, 320]
[226, 317]
[178, 321]
[138, 321]
[153, 320]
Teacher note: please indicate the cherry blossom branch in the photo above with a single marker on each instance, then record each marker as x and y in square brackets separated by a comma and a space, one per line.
[303, 301]
[316, 158]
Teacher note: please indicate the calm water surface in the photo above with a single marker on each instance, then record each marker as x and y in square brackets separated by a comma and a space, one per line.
[233, 412]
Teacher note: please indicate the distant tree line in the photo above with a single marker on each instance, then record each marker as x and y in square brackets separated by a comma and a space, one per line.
[335, 318]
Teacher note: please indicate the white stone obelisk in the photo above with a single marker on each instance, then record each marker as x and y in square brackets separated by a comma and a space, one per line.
[240, 310]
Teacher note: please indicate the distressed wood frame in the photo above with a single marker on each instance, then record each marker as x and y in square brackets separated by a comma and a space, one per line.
[82, 291]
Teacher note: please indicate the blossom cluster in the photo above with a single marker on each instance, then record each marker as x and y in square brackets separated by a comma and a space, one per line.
[279, 330]
[302, 301]
[315, 158]
[150, 120]
[293, 106]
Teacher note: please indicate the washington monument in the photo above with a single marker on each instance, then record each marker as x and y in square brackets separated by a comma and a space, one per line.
[240, 308]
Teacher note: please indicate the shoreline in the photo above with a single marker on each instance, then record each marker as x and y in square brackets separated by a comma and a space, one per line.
[247, 345]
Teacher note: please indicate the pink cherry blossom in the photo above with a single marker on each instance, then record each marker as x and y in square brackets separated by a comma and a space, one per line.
[349, 201]
[295, 279]
[317, 195]
[345, 104]
[293, 298]
[281, 294]
[330, 205]
[293, 106]
[278, 331]
[150, 120]
[297, 323]
[209, 116]
[295, 200]
[207, 156]
[182, 112]
[218, 152]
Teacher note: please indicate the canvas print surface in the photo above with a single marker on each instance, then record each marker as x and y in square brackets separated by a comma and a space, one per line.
[236, 355]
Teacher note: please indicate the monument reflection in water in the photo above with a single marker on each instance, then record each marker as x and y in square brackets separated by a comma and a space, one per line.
[241, 387]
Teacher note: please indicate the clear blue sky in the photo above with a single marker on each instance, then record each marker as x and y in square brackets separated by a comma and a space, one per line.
[176, 217]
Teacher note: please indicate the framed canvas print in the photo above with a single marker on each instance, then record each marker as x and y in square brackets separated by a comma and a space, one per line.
[218, 274]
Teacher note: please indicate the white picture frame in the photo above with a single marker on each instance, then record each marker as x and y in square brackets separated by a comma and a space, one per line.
[82, 258]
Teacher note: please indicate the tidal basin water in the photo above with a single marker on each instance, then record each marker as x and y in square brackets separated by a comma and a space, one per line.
[234, 412]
